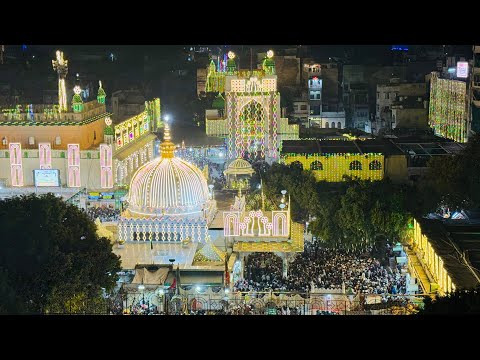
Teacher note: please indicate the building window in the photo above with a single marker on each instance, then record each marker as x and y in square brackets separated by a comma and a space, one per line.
[303, 107]
[317, 95]
[339, 125]
[312, 95]
[333, 125]
[375, 165]
[297, 164]
[356, 165]
[387, 96]
[378, 95]
[316, 165]
[327, 125]
[94, 135]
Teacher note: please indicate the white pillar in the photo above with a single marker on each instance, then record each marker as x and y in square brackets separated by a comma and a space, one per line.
[285, 264]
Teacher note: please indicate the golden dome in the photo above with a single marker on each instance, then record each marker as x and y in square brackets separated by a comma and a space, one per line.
[167, 186]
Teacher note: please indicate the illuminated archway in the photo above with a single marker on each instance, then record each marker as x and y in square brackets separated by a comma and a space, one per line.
[251, 142]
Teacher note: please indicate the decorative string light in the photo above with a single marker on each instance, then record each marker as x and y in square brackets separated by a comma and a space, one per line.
[447, 109]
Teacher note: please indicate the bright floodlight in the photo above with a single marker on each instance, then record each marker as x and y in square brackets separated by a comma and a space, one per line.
[141, 287]
[198, 288]
[270, 54]
[108, 121]
[167, 117]
[231, 55]
[77, 90]
[161, 292]
[227, 291]
[283, 192]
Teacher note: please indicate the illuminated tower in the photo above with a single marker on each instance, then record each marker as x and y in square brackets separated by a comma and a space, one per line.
[2, 50]
[77, 102]
[60, 65]
[251, 123]
[101, 94]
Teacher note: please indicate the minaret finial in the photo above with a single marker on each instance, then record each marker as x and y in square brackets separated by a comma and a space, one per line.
[166, 134]
[167, 147]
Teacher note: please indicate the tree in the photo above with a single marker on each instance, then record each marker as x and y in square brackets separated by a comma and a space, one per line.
[51, 255]
[453, 181]
[458, 302]
[300, 185]
[357, 214]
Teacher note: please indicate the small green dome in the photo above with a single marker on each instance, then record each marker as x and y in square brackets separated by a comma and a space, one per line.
[77, 99]
[231, 63]
[108, 131]
[269, 62]
[219, 102]
[101, 92]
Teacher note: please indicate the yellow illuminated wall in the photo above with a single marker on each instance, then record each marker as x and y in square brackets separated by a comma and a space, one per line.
[131, 129]
[396, 168]
[431, 262]
[333, 167]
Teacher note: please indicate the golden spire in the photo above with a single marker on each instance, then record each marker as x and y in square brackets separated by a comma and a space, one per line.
[167, 147]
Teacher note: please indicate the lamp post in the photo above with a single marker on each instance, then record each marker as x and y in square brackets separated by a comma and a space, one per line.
[161, 296]
[211, 191]
[228, 253]
[141, 288]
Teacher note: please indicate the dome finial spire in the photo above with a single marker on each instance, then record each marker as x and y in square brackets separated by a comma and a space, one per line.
[166, 134]
[167, 147]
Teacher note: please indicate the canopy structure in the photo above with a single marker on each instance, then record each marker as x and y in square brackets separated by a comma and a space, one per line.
[238, 174]
[146, 277]
[209, 253]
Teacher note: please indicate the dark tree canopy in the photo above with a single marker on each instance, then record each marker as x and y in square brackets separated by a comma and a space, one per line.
[358, 212]
[458, 302]
[300, 185]
[50, 255]
[453, 181]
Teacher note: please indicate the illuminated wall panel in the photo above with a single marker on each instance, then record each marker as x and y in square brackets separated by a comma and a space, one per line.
[447, 111]
[45, 155]
[238, 85]
[106, 175]
[332, 167]
[16, 164]
[131, 129]
[269, 84]
[73, 155]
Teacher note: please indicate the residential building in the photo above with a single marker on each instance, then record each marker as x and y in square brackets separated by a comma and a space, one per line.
[387, 95]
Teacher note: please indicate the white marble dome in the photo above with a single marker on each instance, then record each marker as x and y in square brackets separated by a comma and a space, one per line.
[238, 167]
[168, 186]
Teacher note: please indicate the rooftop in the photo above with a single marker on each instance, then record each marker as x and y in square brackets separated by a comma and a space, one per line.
[48, 115]
[444, 236]
[324, 147]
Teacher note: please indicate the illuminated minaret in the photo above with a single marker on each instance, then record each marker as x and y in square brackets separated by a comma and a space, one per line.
[61, 67]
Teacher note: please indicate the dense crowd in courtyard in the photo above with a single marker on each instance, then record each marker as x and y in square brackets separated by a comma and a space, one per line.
[324, 268]
[104, 213]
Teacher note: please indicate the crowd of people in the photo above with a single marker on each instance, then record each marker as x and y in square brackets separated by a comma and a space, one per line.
[104, 213]
[323, 268]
